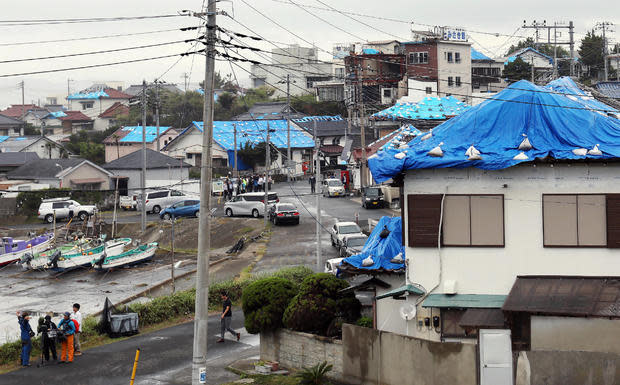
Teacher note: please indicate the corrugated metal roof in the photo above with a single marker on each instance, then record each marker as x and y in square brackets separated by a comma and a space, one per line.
[565, 295]
[464, 300]
[399, 292]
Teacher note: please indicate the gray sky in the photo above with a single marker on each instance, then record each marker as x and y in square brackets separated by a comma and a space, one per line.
[474, 15]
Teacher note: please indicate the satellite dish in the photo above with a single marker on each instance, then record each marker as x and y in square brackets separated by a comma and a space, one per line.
[408, 311]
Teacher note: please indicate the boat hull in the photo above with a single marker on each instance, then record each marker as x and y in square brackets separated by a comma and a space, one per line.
[15, 256]
[129, 258]
[113, 248]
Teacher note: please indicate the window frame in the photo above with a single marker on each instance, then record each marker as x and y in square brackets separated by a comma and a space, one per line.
[420, 57]
[429, 90]
[457, 57]
[576, 195]
[457, 81]
[502, 245]
[450, 57]
[450, 81]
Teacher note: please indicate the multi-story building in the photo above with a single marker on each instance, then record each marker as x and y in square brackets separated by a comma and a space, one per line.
[438, 64]
[301, 63]
[96, 101]
[374, 78]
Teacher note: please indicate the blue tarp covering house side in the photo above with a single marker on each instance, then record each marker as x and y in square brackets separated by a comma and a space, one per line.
[429, 108]
[555, 125]
[381, 250]
[135, 133]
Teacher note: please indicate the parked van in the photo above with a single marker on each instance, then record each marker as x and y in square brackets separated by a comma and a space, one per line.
[160, 199]
[249, 204]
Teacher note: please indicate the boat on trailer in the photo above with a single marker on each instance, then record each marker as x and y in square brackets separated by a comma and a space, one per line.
[140, 254]
[12, 250]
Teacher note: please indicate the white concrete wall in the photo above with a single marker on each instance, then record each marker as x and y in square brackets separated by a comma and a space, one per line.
[154, 177]
[573, 333]
[417, 90]
[43, 151]
[539, 61]
[454, 69]
[493, 270]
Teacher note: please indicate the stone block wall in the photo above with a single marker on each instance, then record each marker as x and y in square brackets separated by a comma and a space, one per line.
[297, 350]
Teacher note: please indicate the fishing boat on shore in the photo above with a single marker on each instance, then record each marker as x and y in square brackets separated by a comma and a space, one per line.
[131, 257]
[35, 261]
[12, 250]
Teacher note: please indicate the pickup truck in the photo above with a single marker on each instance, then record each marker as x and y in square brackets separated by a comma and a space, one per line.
[128, 202]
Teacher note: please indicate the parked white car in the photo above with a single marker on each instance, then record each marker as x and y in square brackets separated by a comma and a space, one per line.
[332, 187]
[64, 208]
[128, 202]
[332, 265]
[160, 199]
[249, 204]
[342, 229]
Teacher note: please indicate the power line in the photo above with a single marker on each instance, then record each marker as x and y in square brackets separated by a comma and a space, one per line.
[93, 52]
[12, 23]
[92, 37]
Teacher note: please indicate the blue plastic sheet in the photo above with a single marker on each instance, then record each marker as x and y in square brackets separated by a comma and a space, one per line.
[3, 138]
[135, 133]
[255, 132]
[477, 55]
[567, 86]
[554, 124]
[88, 95]
[381, 250]
[429, 108]
[57, 114]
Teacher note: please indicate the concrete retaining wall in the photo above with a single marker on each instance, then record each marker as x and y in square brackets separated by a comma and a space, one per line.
[377, 357]
[297, 350]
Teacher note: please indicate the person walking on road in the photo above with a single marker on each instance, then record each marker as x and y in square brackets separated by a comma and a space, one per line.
[312, 182]
[226, 319]
[68, 328]
[48, 331]
[77, 317]
[26, 337]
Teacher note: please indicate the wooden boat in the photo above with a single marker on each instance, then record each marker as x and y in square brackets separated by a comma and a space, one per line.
[34, 261]
[12, 250]
[84, 258]
[131, 257]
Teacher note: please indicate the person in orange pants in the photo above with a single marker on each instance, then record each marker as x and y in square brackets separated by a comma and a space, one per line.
[68, 328]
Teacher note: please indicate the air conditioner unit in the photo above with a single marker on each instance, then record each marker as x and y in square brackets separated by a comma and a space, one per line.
[449, 286]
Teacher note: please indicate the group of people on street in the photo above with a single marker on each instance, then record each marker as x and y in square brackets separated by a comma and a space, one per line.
[250, 183]
[67, 332]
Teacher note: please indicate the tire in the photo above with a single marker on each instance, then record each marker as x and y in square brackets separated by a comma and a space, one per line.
[156, 209]
[197, 214]
[49, 218]
[166, 217]
[229, 212]
[297, 222]
[275, 222]
[125, 208]
[333, 243]
[82, 215]
[255, 213]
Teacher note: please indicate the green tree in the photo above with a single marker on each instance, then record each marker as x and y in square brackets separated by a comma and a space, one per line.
[264, 302]
[308, 104]
[254, 155]
[517, 70]
[591, 53]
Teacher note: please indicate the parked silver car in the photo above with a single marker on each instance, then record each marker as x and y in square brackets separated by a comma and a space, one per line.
[160, 199]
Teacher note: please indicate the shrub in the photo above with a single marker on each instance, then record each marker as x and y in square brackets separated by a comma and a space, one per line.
[233, 288]
[264, 302]
[319, 302]
[365, 322]
[316, 375]
[9, 352]
[163, 308]
[294, 274]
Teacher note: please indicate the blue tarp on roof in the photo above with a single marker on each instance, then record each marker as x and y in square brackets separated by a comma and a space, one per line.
[135, 134]
[255, 132]
[370, 51]
[88, 95]
[477, 55]
[429, 108]
[556, 126]
[57, 114]
[381, 250]
[567, 86]
[3, 138]
[516, 55]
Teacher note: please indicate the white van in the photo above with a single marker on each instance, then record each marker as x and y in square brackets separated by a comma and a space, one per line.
[160, 199]
[249, 204]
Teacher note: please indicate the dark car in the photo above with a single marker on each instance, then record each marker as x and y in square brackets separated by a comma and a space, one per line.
[352, 244]
[186, 208]
[372, 197]
[284, 213]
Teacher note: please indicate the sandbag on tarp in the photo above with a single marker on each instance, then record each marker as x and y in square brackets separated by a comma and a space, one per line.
[380, 250]
[555, 124]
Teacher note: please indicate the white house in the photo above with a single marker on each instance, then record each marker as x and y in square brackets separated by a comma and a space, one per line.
[100, 103]
[74, 173]
[532, 57]
[43, 146]
[505, 209]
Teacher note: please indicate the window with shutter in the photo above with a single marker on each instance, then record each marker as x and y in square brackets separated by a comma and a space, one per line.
[575, 220]
[613, 220]
[423, 212]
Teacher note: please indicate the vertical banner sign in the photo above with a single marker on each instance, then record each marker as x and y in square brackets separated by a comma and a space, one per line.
[203, 375]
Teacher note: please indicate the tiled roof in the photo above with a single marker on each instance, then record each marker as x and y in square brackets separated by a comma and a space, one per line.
[115, 109]
[133, 161]
[6, 120]
[43, 168]
[16, 158]
[75, 116]
[116, 94]
[609, 89]
[16, 110]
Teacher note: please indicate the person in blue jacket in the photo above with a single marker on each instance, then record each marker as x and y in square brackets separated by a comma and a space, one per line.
[26, 337]
[68, 328]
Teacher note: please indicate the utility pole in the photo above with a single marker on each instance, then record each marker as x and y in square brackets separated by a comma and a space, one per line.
[236, 168]
[571, 34]
[537, 26]
[199, 361]
[532, 68]
[317, 170]
[266, 179]
[363, 137]
[143, 176]
[288, 128]
[174, 219]
[68, 94]
[157, 113]
[555, 50]
[605, 26]
[22, 86]
[185, 76]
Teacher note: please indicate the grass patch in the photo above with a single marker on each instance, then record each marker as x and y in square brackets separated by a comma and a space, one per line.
[270, 380]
